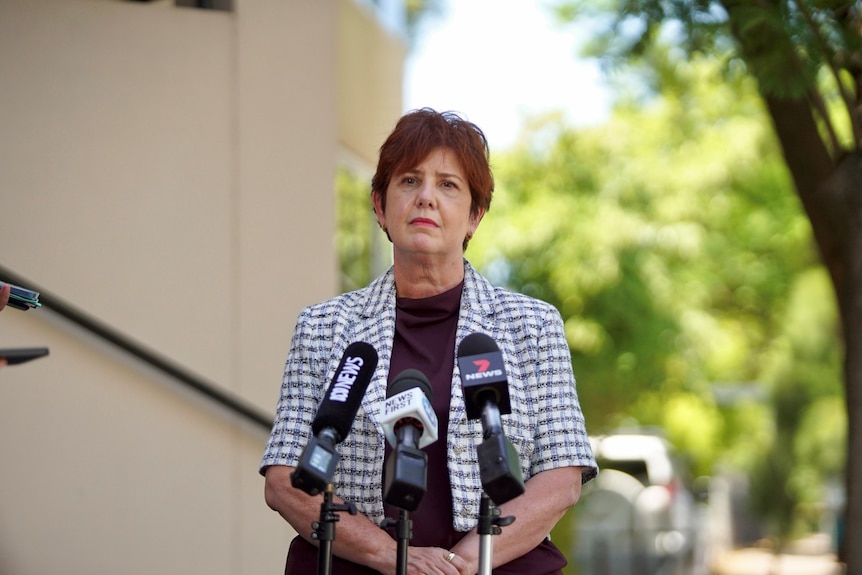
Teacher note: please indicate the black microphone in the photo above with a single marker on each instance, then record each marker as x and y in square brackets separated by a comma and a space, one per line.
[409, 423]
[483, 374]
[486, 395]
[334, 418]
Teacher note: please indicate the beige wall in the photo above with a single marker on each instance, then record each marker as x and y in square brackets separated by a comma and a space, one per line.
[370, 66]
[169, 172]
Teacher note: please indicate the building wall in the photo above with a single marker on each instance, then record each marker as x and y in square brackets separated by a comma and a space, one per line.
[369, 66]
[167, 171]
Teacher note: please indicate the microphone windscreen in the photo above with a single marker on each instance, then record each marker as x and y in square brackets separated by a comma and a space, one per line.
[407, 379]
[483, 374]
[477, 343]
[339, 406]
[408, 400]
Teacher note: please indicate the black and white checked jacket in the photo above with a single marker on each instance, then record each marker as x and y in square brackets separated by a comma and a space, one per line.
[546, 425]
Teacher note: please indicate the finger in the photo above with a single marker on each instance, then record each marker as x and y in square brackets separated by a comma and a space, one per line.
[454, 564]
[459, 563]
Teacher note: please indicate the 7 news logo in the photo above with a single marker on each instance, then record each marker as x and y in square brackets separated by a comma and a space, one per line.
[483, 371]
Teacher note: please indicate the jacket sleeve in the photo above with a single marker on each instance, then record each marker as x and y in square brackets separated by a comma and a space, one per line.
[301, 392]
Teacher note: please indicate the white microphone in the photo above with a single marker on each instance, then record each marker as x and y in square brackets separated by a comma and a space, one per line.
[409, 423]
[407, 404]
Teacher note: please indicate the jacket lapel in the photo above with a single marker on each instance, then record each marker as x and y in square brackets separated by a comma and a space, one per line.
[376, 326]
[476, 316]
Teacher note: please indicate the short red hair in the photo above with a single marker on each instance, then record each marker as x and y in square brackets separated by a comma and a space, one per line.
[420, 132]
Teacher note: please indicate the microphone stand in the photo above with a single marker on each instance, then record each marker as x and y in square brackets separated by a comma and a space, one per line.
[501, 477]
[490, 523]
[403, 533]
[404, 486]
[324, 529]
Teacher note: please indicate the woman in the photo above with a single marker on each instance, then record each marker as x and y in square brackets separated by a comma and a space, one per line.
[432, 187]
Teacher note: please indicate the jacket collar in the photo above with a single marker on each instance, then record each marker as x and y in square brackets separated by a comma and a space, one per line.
[477, 298]
[478, 303]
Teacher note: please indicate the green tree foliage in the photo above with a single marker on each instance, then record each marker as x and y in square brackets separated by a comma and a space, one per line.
[807, 448]
[669, 242]
[664, 238]
[806, 57]
[358, 241]
[417, 12]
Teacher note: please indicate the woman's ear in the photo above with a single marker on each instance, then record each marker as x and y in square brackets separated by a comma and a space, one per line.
[475, 220]
[378, 210]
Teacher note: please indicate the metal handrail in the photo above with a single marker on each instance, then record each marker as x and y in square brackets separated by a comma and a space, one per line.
[115, 338]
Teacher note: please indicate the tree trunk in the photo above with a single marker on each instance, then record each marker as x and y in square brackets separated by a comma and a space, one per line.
[844, 194]
[834, 207]
[831, 193]
[832, 199]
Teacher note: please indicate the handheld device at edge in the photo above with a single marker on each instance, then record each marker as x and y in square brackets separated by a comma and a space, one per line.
[22, 298]
[16, 355]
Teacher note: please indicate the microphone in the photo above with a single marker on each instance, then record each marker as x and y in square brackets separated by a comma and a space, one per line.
[483, 374]
[334, 418]
[486, 395]
[408, 403]
[409, 423]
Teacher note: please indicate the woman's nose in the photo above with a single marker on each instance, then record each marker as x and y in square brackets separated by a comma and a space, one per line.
[426, 195]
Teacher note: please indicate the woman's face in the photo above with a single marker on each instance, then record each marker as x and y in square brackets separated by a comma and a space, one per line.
[427, 207]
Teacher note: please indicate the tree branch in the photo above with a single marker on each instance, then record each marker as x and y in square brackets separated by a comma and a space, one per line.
[829, 57]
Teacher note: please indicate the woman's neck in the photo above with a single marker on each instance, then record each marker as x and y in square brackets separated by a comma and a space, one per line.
[427, 278]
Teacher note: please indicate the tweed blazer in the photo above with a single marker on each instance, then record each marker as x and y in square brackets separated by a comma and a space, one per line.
[546, 425]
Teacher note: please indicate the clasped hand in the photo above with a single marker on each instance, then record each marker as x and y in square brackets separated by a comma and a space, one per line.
[435, 561]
